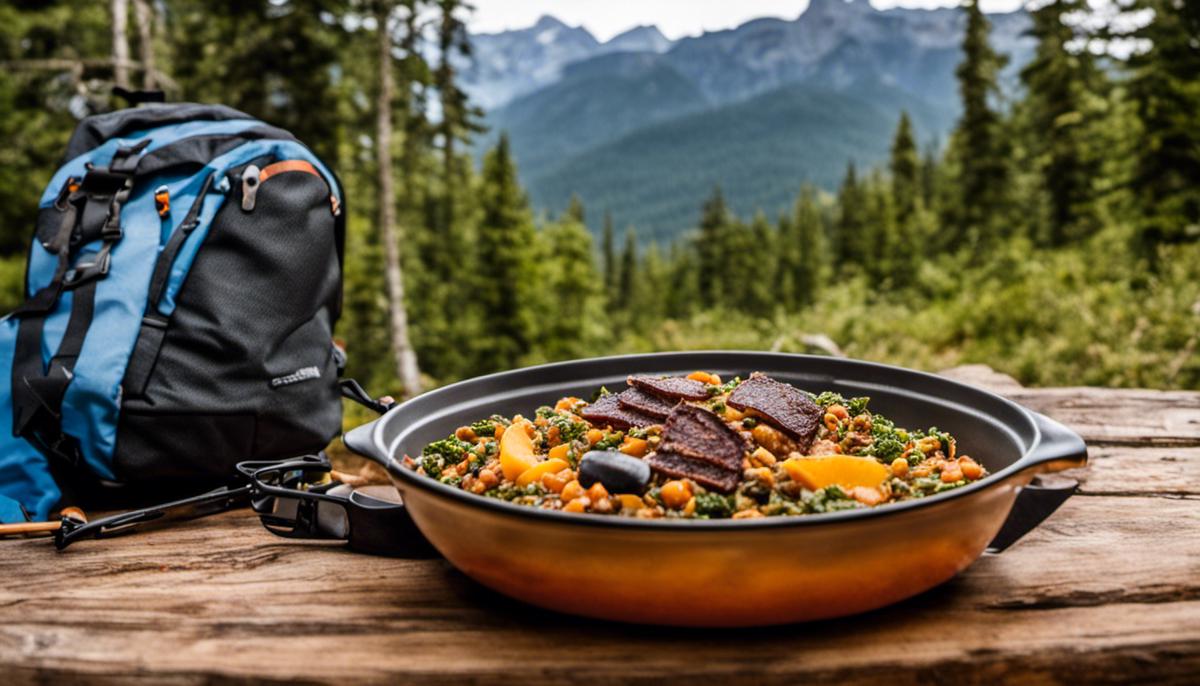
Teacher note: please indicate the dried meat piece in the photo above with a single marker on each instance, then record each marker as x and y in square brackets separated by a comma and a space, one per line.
[608, 411]
[703, 473]
[697, 433]
[784, 406]
[637, 400]
[671, 387]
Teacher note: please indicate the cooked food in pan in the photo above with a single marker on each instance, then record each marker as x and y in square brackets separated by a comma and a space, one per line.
[696, 447]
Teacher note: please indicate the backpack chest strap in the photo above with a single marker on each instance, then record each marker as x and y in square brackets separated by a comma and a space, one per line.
[91, 212]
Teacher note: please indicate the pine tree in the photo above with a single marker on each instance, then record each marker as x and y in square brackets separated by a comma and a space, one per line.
[851, 241]
[978, 140]
[1166, 91]
[710, 247]
[459, 119]
[625, 286]
[573, 322]
[610, 258]
[220, 57]
[905, 167]
[504, 242]
[1061, 110]
[575, 211]
[808, 237]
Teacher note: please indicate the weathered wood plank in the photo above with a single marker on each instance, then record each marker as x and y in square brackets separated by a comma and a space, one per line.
[1103, 416]
[1162, 471]
[1106, 591]
[221, 593]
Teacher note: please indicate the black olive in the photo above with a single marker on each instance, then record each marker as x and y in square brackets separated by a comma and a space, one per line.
[620, 473]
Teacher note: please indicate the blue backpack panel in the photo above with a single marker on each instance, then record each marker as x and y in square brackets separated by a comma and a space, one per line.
[183, 285]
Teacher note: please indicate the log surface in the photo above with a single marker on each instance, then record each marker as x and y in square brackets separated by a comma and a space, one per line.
[1105, 591]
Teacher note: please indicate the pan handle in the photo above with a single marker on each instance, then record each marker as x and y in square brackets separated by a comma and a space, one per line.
[360, 440]
[1058, 448]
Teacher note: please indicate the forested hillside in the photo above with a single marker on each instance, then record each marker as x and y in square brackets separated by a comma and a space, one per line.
[571, 105]
[1057, 237]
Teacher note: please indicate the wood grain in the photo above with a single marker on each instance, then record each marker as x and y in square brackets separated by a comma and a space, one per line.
[1106, 591]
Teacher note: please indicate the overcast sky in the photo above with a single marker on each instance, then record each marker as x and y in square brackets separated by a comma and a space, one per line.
[676, 18]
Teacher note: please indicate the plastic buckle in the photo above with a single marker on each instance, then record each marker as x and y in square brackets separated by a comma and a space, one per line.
[84, 272]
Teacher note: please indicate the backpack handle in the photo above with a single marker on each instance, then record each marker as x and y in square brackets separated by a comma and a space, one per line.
[134, 98]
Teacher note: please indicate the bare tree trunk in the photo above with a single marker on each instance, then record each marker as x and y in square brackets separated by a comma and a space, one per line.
[405, 356]
[144, 15]
[120, 42]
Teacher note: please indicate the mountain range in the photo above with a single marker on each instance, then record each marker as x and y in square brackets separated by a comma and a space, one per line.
[644, 127]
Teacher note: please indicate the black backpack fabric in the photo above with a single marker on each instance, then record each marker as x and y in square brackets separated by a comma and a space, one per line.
[184, 285]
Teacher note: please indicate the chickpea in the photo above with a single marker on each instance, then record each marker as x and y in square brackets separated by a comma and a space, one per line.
[571, 491]
[555, 483]
[602, 505]
[566, 403]
[675, 494]
[772, 439]
[761, 457]
[649, 513]
[594, 436]
[929, 444]
[488, 478]
[748, 514]
[862, 422]
[597, 492]
[951, 474]
[899, 467]
[762, 475]
[577, 505]
[831, 421]
[465, 433]
[970, 468]
[838, 411]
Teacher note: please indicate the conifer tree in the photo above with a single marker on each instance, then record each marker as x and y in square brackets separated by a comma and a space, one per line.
[905, 167]
[1062, 83]
[609, 255]
[808, 235]
[575, 211]
[978, 139]
[1164, 88]
[573, 320]
[710, 248]
[504, 243]
[852, 243]
[625, 286]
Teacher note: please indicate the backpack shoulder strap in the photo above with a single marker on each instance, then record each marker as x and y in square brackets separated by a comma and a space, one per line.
[92, 211]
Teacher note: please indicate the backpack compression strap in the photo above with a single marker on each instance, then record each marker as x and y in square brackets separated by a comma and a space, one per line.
[92, 212]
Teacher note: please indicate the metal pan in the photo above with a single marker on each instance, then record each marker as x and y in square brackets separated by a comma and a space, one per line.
[724, 572]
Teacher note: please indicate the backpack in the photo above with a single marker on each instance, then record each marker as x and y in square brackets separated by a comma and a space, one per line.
[183, 284]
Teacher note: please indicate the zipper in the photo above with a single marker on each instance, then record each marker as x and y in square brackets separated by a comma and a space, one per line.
[253, 177]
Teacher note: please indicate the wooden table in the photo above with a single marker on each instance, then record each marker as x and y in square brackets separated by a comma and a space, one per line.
[1107, 590]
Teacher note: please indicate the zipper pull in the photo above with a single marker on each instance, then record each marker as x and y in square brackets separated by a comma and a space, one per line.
[249, 187]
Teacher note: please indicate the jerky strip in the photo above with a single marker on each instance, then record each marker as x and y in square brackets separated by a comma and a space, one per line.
[704, 473]
[636, 400]
[783, 405]
[671, 387]
[607, 410]
[697, 433]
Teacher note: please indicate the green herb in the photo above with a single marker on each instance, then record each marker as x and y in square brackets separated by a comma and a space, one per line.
[484, 427]
[438, 455]
[610, 441]
[749, 422]
[568, 429]
[713, 505]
